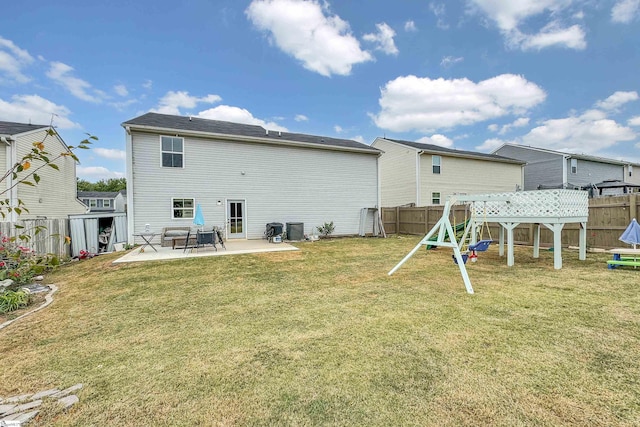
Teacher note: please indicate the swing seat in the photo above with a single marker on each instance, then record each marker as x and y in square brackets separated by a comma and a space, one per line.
[481, 246]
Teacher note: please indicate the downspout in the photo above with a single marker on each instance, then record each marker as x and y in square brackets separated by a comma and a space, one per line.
[418, 186]
[565, 178]
[378, 184]
[130, 207]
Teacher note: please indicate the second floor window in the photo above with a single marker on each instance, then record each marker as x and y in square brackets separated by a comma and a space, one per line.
[172, 151]
[435, 163]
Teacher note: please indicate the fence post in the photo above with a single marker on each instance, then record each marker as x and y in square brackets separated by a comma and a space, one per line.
[426, 219]
[397, 219]
[633, 206]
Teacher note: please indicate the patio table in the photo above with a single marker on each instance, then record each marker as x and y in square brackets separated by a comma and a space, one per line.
[147, 237]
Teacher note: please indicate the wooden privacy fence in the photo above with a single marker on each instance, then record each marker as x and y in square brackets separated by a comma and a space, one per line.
[608, 218]
[49, 241]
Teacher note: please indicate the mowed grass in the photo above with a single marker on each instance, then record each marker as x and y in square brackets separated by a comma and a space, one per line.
[323, 336]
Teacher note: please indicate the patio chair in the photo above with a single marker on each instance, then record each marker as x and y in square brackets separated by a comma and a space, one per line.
[206, 238]
[189, 242]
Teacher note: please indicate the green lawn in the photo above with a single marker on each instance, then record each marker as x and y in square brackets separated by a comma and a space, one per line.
[323, 336]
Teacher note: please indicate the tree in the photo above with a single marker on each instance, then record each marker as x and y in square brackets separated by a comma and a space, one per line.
[110, 185]
[25, 172]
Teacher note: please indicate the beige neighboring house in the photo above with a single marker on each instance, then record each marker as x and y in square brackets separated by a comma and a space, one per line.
[413, 173]
[55, 195]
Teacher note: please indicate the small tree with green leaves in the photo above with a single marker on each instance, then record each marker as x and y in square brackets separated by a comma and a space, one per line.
[25, 172]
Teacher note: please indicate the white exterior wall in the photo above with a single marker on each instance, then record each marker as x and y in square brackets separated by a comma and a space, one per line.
[467, 176]
[397, 173]
[280, 184]
[55, 195]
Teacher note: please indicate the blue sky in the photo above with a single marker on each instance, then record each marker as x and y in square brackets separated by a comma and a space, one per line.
[467, 74]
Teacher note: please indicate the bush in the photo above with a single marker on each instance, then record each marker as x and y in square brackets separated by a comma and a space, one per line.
[326, 229]
[13, 300]
[20, 263]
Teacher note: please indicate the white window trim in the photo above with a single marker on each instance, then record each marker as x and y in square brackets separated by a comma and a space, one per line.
[93, 203]
[106, 203]
[433, 164]
[172, 152]
[183, 217]
[433, 193]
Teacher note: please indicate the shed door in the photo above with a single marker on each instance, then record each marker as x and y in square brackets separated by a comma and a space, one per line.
[236, 219]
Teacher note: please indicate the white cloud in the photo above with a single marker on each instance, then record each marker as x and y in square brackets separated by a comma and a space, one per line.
[12, 61]
[148, 84]
[306, 30]
[438, 10]
[493, 127]
[301, 118]
[448, 61]
[238, 115]
[383, 39]
[490, 144]
[437, 139]
[510, 16]
[554, 35]
[359, 138]
[338, 129]
[37, 110]
[618, 99]
[625, 11]
[96, 173]
[634, 121]
[61, 74]
[172, 102]
[410, 26]
[110, 153]
[518, 123]
[121, 90]
[422, 104]
[587, 133]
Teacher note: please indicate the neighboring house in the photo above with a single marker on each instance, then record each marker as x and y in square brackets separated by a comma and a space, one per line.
[413, 173]
[104, 201]
[554, 169]
[55, 195]
[612, 188]
[243, 176]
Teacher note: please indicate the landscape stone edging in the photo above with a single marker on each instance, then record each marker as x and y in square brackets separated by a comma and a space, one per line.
[48, 300]
[18, 410]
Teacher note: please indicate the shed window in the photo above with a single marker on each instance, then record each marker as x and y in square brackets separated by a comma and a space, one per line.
[106, 203]
[172, 151]
[182, 208]
[435, 164]
[574, 166]
[435, 198]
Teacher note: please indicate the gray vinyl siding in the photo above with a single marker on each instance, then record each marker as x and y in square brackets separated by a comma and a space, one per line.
[55, 195]
[397, 173]
[279, 184]
[594, 172]
[542, 168]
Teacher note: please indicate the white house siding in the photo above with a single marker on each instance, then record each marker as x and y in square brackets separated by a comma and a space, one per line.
[634, 178]
[397, 173]
[460, 175]
[55, 195]
[279, 184]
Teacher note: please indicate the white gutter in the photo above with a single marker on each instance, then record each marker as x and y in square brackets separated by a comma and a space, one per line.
[241, 138]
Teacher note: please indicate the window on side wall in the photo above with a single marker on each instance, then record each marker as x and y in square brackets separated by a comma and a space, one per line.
[574, 166]
[630, 170]
[435, 198]
[172, 151]
[182, 208]
[435, 164]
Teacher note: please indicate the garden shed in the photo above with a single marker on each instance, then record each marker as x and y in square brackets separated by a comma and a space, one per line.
[97, 232]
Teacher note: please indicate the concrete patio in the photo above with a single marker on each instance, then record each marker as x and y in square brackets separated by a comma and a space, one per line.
[233, 247]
